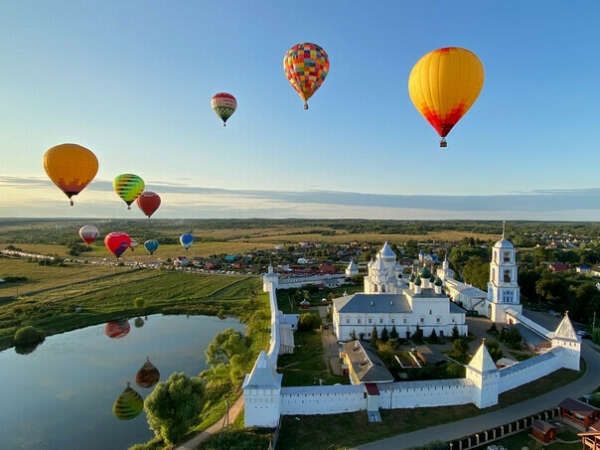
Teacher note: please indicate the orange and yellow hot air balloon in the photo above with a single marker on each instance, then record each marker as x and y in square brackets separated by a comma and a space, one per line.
[71, 167]
[443, 85]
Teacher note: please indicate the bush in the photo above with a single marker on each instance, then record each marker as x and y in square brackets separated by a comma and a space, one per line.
[511, 337]
[433, 337]
[308, 321]
[374, 336]
[385, 335]
[394, 333]
[353, 335]
[493, 329]
[139, 302]
[248, 439]
[173, 406]
[494, 349]
[417, 336]
[455, 333]
[28, 336]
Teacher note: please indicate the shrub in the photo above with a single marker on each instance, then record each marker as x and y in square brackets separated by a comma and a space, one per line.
[394, 333]
[417, 336]
[353, 335]
[433, 337]
[511, 337]
[455, 333]
[493, 329]
[308, 321]
[139, 302]
[28, 336]
[385, 335]
[494, 349]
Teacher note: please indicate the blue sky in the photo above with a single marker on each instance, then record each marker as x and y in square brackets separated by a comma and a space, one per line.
[133, 83]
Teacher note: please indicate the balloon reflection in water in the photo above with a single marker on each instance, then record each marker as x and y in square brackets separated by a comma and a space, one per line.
[128, 405]
[148, 375]
[138, 322]
[117, 329]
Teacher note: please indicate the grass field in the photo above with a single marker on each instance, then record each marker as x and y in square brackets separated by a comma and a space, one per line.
[109, 299]
[348, 430]
[306, 365]
[42, 277]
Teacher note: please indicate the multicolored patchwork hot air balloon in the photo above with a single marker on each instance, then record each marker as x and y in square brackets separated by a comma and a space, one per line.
[224, 105]
[117, 329]
[71, 167]
[443, 85]
[117, 242]
[128, 186]
[306, 66]
[148, 375]
[148, 202]
[88, 233]
[128, 405]
[151, 245]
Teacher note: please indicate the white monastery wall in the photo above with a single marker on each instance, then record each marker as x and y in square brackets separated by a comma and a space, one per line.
[530, 370]
[417, 394]
[323, 399]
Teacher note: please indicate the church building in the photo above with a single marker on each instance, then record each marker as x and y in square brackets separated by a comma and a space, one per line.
[389, 301]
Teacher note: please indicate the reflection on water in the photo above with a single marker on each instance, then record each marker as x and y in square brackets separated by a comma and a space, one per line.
[61, 395]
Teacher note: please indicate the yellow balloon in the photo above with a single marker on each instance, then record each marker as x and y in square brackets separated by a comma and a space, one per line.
[443, 85]
[71, 167]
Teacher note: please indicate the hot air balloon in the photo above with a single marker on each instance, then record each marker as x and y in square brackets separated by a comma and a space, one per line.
[133, 245]
[117, 242]
[148, 375]
[117, 329]
[151, 245]
[71, 167]
[148, 202]
[224, 105]
[306, 66]
[128, 405]
[88, 233]
[128, 186]
[186, 240]
[443, 85]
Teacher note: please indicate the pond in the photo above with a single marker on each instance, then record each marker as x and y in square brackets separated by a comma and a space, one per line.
[60, 395]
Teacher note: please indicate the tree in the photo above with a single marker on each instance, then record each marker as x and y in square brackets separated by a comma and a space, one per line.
[308, 321]
[224, 346]
[173, 406]
[433, 338]
[28, 335]
[394, 333]
[374, 336]
[476, 272]
[493, 329]
[353, 335]
[511, 336]
[494, 349]
[455, 333]
[385, 335]
[417, 336]
[459, 348]
[139, 302]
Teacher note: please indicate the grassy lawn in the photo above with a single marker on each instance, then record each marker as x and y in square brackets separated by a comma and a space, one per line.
[524, 439]
[348, 430]
[288, 305]
[42, 277]
[113, 298]
[306, 365]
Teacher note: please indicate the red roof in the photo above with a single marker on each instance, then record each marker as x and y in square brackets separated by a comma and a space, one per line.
[372, 389]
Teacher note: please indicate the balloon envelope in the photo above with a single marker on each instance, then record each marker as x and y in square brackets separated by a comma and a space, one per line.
[224, 105]
[117, 242]
[117, 329]
[151, 245]
[148, 375]
[306, 66]
[444, 84]
[71, 167]
[128, 405]
[148, 202]
[133, 245]
[88, 233]
[128, 186]
[186, 240]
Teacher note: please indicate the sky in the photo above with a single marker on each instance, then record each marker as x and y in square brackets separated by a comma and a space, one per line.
[132, 81]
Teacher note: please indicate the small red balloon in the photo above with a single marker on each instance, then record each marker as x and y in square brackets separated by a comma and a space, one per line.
[117, 242]
[148, 202]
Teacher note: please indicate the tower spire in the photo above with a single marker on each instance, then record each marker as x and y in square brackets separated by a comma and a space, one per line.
[503, 228]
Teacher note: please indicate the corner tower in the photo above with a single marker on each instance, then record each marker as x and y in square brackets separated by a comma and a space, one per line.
[503, 288]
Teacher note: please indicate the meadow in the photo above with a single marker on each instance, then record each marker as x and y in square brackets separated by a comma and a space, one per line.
[93, 302]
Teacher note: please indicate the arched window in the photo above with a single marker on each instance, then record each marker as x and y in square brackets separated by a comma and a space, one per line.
[506, 256]
[507, 276]
[383, 288]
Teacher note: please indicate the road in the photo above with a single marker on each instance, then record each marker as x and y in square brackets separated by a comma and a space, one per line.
[234, 411]
[454, 430]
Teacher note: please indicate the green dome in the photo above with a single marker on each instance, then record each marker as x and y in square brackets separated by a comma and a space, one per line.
[425, 273]
[432, 278]
[418, 281]
[438, 282]
[411, 278]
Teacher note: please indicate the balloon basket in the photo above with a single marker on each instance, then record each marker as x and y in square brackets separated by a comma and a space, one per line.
[306, 106]
[71, 202]
[443, 143]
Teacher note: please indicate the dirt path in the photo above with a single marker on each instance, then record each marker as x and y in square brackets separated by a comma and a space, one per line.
[234, 411]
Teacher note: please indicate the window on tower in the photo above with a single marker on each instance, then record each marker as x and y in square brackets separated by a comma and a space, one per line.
[493, 274]
[506, 256]
[507, 276]
[507, 297]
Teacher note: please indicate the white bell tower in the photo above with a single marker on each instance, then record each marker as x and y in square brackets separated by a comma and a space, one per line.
[503, 288]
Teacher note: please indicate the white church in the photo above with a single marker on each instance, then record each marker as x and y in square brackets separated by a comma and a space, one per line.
[391, 302]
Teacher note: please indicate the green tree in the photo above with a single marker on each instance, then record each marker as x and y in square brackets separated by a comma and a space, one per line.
[494, 350]
[417, 336]
[455, 333]
[433, 337]
[459, 349]
[374, 336]
[511, 337]
[385, 335]
[173, 406]
[224, 346]
[394, 333]
[353, 335]
[139, 302]
[476, 272]
[308, 321]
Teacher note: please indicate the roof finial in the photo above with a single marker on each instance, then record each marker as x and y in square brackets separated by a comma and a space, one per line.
[483, 341]
[503, 228]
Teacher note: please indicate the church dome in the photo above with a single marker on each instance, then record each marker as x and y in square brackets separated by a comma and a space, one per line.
[504, 244]
[386, 251]
[425, 273]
